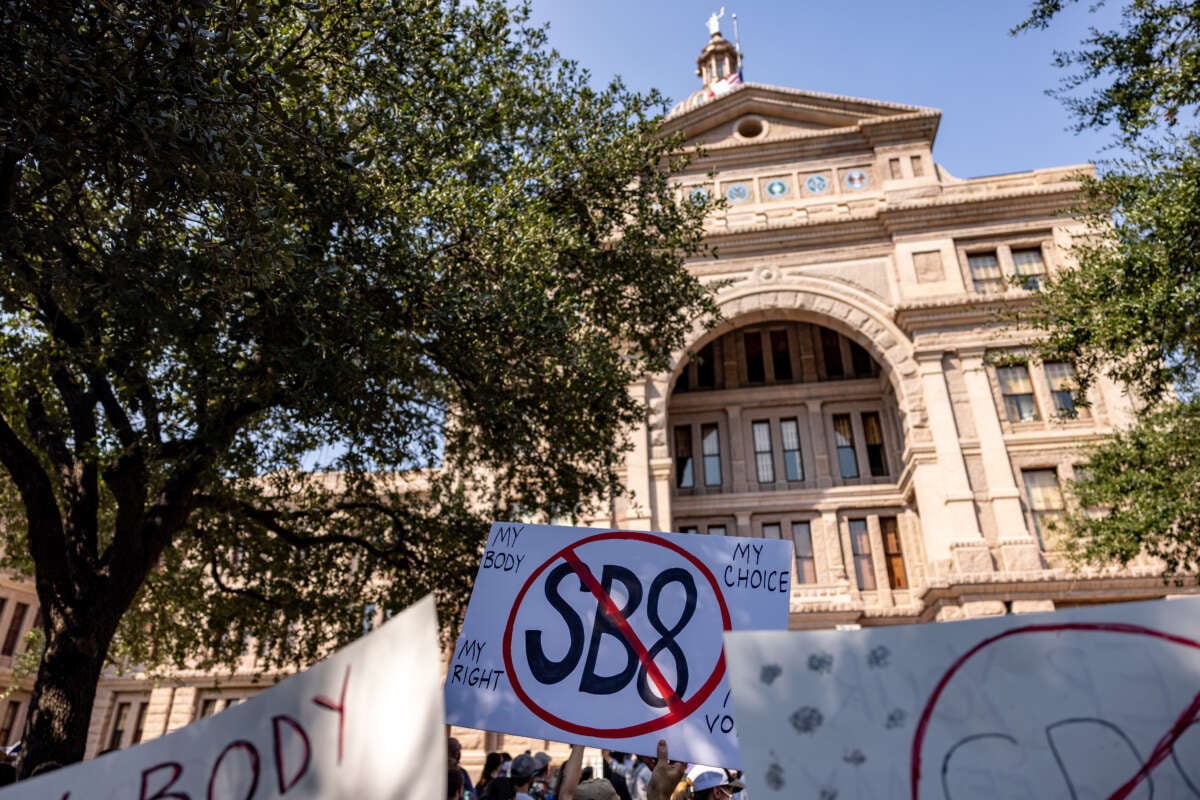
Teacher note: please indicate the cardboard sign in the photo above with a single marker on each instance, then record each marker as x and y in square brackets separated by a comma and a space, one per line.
[366, 722]
[1097, 703]
[612, 638]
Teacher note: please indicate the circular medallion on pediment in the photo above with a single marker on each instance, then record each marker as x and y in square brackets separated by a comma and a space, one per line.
[857, 179]
[737, 193]
[699, 195]
[816, 184]
[777, 188]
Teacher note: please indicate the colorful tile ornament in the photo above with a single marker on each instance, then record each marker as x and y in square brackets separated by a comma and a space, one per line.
[777, 188]
[857, 179]
[737, 193]
[816, 184]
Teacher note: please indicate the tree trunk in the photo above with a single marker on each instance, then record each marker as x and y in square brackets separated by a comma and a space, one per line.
[60, 710]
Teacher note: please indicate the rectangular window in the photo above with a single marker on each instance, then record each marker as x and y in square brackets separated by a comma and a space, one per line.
[806, 565]
[208, 707]
[1030, 267]
[918, 168]
[1063, 389]
[139, 724]
[9, 722]
[893, 554]
[985, 272]
[831, 352]
[710, 444]
[688, 529]
[793, 464]
[764, 459]
[14, 629]
[685, 464]
[1045, 501]
[771, 530]
[118, 729]
[894, 167]
[844, 435]
[716, 530]
[1017, 391]
[860, 545]
[876, 455]
[781, 356]
[756, 371]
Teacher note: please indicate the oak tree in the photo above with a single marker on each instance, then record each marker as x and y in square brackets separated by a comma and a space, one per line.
[294, 297]
[1132, 307]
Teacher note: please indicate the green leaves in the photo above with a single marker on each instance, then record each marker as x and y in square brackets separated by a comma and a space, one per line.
[401, 246]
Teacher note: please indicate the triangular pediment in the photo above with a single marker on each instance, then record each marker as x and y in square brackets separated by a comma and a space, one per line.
[752, 114]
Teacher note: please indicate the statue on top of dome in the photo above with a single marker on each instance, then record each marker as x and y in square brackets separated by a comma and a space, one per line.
[714, 22]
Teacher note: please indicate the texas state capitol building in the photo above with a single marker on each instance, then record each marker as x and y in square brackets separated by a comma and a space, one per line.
[863, 395]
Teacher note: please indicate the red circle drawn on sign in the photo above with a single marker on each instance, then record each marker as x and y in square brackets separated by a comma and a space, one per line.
[677, 711]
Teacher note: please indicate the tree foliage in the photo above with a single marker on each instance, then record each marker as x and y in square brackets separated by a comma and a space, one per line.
[1132, 308]
[294, 297]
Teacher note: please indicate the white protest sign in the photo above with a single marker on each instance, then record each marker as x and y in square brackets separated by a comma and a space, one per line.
[612, 638]
[366, 722]
[1089, 703]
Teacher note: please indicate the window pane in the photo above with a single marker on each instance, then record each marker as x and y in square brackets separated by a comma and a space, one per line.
[831, 350]
[1063, 388]
[685, 475]
[139, 724]
[897, 576]
[1017, 391]
[706, 368]
[806, 566]
[764, 460]
[14, 629]
[10, 720]
[1045, 500]
[876, 455]
[793, 464]
[781, 356]
[716, 530]
[119, 722]
[844, 435]
[1028, 264]
[688, 529]
[771, 530]
[860, 359]
[711, 447]
[860, 545]
[755, 369]
[985, 272]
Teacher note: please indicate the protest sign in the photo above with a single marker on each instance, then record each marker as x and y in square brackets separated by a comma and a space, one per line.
[612, 638]
[1097, 703]
[366, 722]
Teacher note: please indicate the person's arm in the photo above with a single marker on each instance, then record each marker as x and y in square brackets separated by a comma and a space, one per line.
[666, 775]
[571, 773]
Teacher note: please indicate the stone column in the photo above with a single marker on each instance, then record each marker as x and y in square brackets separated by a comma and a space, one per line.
[637, 462]
[968, 549]
[822, 468]
[1018, 550]
[831, 538]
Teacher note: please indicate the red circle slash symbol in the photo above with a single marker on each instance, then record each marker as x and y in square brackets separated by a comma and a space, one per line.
[677, 707]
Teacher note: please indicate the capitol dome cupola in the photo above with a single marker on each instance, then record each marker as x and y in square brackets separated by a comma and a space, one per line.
[720, 58]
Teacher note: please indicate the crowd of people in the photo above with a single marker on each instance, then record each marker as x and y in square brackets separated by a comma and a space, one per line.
[532, 776]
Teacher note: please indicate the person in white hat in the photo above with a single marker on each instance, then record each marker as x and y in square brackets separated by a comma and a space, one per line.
[712, 783]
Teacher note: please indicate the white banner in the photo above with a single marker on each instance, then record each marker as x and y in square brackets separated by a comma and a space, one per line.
[612, 638]
[1090, 703]
[366, 722]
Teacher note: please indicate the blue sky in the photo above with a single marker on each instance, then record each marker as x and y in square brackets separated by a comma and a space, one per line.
[955, 55]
